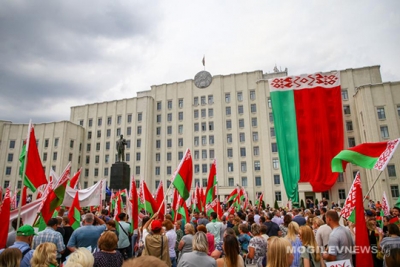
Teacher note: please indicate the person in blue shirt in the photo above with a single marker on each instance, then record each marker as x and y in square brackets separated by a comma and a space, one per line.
[244, 238]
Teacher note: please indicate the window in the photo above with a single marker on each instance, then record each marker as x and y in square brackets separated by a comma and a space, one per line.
[204, 154]
[210, 99]
[158, 143]
[109, 120]
[169, 130]
[89, 135]
[252, 95]
[86, 174]
[229, 152]
[158, 130]
[96, 172]
[349, 126]
[10, 157]
[139, 130]
[180, 142]
[180, 155]
[228, 124]
[269, 102]
[169, 104]
[230, 167]
[203, 126]
[258, 181]
[256, 151]
[352, 141]
[272, 132]
[8, 170]
[228, 111]
[90, 122]
[107, 145]
[271, 117]
[204, 182]
[254, 122]
[277, 179]
[229, 138]
[169, 156]
[211, 139]
[275, 163]
[19, 184]
[88, 147]
[243, 152]
[138, 156]
[99, 121]
[204, 140]
[395, 190]
[203, 100]
[97, 159]
[139, 116]
[157, 170]
[159, 105]
[97, 146]
[210, 112]
[169, 117]
[180, 116]
[346, 109]
[381, 113]
[71, 143]
[278, 196]
[6, 184]
[87, 159]
[239, 96]
[231, 182]
[196, 168]
[137, 170]
[325, 194]
[345, 95]
[44, 156]
[241, 123]
[56, 142]
[257, 165]
[158, 157]
[196, 101]
[244, 181]
[169, 170]
[106, 158]
[108, 132]
[227, 98]
[158, 118]
[180, 103]
[129, 118]
[180, 129]
[169, 142]
[391, 170]
[240, 109]
[242, 137]
[398, 110]
[384, 132]
[46, 143]
[340, 178]
[203, 113]
[255, 136]
[253, 108]
[196, 140]
[342, 194]
[243, 166]
[81, 122]
[204, 168]
[212, 154]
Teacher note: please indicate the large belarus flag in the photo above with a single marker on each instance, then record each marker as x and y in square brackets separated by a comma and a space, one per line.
[182, 179]
[308, 120]
[212, 183]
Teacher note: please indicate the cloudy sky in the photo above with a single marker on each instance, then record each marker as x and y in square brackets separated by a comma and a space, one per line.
[58, 54]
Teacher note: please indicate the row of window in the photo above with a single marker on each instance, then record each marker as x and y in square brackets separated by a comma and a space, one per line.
[109, 120]
[169, 104]
[254, 123]
[169, 117]
[108, 132]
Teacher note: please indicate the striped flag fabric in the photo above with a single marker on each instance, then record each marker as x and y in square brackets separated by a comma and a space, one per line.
[385, 205]
[5, 210]
[133, 199]
[308, 119]
[212, 183]
[182, 178]
[74, 214]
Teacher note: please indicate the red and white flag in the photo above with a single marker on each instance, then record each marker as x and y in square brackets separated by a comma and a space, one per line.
[350, 202]
[385, 205]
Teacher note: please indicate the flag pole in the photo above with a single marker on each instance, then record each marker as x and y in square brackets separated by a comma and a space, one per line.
[23, 172]
[370, 189]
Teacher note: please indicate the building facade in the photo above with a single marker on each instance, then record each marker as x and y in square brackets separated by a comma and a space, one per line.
[231, 121]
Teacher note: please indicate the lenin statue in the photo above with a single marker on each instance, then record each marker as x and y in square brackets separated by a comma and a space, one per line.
[121, 148]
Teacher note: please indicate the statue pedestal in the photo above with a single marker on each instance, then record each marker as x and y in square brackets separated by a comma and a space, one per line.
[120, 176]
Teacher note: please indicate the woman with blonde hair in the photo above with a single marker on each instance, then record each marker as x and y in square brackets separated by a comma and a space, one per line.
[81, 257]
[108, 256]
[310, 255]
[185, 245]
[198, 257]
[45, 255]
[279, 252]
[257, 246]
[293, 238]
[10, 257]
[210, 238]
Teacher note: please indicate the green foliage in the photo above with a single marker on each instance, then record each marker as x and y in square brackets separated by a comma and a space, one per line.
[276, 206]
[302, 204]
[316, 203]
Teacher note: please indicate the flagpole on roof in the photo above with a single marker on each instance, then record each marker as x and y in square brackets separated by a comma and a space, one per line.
[23, 171]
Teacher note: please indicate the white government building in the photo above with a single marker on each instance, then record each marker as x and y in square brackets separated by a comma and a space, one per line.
[230, 120]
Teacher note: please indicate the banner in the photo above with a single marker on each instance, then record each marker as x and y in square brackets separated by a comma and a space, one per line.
[91, 196]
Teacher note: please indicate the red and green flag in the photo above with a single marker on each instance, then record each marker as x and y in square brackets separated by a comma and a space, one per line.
[74, 213]
[212, 183]
[233, 195]
[147, 201]
[160, 203]
[74, 180]
[308, 119]
[394, 220]
[182, 209]
[366, 155]
[259, 200]
[34, 173]
[182, 179]
[133, 199]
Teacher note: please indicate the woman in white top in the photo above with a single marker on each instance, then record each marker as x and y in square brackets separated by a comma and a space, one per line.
[171, 235]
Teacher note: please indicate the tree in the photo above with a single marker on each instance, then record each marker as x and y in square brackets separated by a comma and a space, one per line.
[276, 206]
[316, 203]
[302, 204]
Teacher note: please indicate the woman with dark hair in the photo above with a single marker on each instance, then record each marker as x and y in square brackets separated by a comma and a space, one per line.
[108, 256]
[171, 235]
[232, 257]
[284, 227]
[390, 242]
[375, 237]
[10, 257]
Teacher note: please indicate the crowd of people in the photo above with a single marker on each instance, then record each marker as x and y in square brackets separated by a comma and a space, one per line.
[252, 237]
